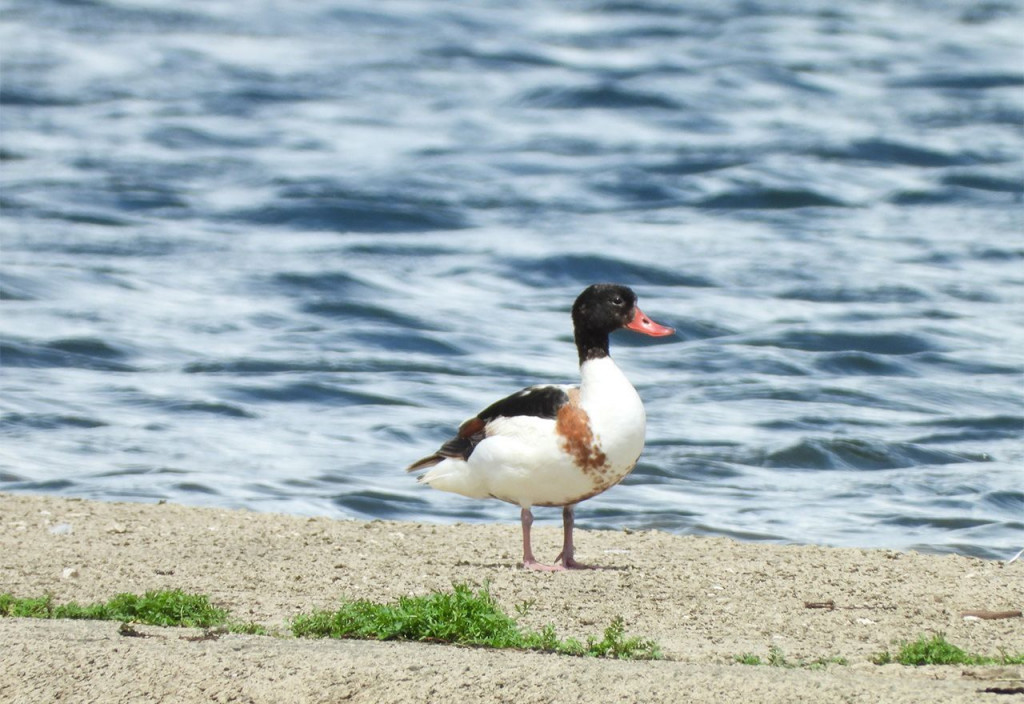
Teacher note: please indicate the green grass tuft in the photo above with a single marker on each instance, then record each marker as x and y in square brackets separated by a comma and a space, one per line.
[776, 658]
[155, 608]
[458, 617]
[462, 617]
[748, 659]
[616, 645]
[938, 651]
[250, 628]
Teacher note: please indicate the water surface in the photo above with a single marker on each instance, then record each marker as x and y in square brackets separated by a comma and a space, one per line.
[264, 255]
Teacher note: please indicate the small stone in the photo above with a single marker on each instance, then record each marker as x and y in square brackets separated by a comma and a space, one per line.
[69, 573]
[61, 529]
[117, 528]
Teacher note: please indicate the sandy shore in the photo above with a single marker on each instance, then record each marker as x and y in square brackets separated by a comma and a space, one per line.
[704, 600]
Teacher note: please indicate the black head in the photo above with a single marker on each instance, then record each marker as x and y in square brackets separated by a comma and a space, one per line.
[601, 310]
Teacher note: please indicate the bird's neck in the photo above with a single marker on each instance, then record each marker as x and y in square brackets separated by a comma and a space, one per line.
[591, 345]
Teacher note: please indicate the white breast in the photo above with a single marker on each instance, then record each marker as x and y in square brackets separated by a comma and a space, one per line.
[616, 413]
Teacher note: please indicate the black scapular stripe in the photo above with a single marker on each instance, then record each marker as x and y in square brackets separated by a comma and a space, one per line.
[539, 401]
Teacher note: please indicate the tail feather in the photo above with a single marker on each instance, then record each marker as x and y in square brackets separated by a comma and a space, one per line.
[455, 475]
[459, 447]
[425, 462]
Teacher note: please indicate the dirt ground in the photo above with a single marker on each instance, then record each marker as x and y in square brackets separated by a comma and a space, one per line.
[704, 600]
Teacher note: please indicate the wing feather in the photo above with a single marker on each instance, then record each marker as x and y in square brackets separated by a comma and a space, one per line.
[539, 401]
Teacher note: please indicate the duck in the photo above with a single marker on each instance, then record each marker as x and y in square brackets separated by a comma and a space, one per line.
[554, 445]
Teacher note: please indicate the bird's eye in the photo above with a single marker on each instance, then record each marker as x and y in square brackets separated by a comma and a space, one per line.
[618, 300]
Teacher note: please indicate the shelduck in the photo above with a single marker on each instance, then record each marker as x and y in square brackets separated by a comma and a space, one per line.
[555, 445]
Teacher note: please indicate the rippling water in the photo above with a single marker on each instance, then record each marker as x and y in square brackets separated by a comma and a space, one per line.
[264, 255]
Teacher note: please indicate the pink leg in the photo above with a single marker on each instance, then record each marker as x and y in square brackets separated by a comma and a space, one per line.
[526, 516]
[568, 550]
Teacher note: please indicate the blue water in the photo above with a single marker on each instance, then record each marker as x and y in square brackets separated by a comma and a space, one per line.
[264, 255]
